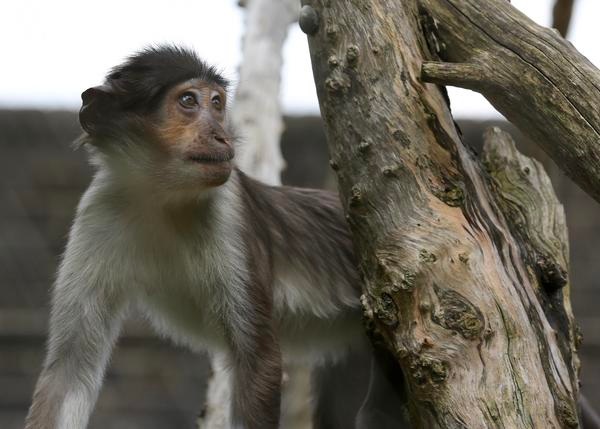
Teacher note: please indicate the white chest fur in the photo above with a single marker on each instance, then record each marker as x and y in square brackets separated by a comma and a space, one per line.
[179, 271]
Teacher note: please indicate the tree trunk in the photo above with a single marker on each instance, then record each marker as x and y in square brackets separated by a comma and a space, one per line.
[256, 113]
[477, 317]
[256, 116]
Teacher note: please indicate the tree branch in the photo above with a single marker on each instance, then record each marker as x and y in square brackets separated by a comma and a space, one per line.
[525, 196]
[535, 78]
[463, 75]
[561, 16]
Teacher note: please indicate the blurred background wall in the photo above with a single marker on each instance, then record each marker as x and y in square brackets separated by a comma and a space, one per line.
[54, 50]
[150, 382]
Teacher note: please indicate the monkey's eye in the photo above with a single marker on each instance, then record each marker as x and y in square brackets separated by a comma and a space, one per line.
[188, 100]
[216, 101]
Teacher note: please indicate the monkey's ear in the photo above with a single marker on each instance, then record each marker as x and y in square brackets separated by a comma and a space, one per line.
[98, 109]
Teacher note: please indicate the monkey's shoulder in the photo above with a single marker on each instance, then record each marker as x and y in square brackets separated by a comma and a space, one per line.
[289, 202]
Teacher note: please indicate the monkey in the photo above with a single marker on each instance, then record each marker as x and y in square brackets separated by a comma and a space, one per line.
[213, 259]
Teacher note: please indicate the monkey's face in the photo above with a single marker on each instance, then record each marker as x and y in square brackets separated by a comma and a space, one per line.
[158, 120]
[190, 131]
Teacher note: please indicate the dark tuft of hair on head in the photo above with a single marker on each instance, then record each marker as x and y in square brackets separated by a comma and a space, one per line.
[145, 76]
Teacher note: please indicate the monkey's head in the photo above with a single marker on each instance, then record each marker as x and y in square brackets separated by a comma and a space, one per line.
[162, 113]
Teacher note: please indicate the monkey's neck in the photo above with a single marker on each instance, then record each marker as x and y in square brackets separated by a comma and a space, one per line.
[142, 199]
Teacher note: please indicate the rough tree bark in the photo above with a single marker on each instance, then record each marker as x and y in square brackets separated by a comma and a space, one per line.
[523, 192]
[256, 117]
[477, 316]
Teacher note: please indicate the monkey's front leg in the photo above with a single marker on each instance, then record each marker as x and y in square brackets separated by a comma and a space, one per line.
[83, 328]
[256, 365]
[257, 387]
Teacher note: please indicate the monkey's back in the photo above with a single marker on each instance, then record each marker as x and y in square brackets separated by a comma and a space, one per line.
[316, 286]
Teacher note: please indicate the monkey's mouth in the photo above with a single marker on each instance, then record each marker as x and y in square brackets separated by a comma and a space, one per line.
[210, 158]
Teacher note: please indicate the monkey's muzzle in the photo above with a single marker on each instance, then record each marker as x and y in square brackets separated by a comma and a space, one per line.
[210, 158]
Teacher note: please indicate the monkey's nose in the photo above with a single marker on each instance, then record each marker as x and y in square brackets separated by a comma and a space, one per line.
[221, 139]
